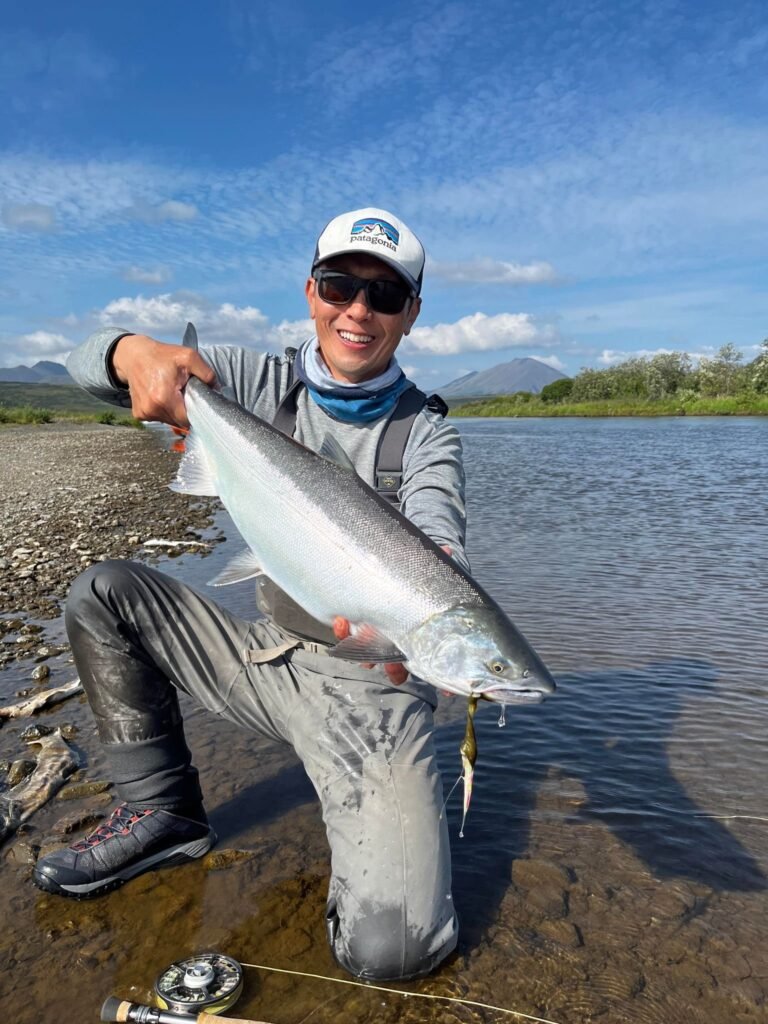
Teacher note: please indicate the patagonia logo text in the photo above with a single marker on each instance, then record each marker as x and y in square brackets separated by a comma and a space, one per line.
[375, 232]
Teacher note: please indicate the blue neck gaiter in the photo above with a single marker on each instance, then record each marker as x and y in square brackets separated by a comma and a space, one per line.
[349, 403]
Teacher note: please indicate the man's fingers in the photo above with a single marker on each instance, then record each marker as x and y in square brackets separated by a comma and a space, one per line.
[156, 375]
[198, 367]
[341, 628]
[396, 672]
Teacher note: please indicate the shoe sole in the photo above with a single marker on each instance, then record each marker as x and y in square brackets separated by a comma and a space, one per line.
[181, 854]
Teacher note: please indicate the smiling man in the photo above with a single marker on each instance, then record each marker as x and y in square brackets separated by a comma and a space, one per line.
[365, 735]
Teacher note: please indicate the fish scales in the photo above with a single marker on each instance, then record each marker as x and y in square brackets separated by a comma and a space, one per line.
[322, 533]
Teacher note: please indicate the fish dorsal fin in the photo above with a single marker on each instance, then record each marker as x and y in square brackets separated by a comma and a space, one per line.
[190, 337]
[332, 450]
[367, 644]
[194, 475]
[244, 566]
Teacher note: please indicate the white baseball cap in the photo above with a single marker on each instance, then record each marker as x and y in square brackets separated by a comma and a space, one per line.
[376, 233]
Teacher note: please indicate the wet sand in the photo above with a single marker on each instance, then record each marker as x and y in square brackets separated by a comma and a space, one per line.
[563, 917]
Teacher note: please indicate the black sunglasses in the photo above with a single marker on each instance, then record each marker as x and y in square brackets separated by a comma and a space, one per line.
[381, 296]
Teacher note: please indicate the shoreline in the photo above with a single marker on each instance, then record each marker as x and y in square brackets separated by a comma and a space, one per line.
[75, 494]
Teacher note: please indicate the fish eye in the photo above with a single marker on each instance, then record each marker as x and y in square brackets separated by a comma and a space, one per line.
[497, 667]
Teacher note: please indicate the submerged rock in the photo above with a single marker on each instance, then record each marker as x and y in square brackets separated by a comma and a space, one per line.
[20, 770]
[220, 859]
[35, 732]
[78, 790]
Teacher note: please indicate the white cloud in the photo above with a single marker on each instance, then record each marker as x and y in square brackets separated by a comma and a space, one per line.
[156, 275]
[487, 271]
[171, 209]
[29, 217]
[552, 361]
[45, 343]
[167, 315]
[30, 348]
[481, 333]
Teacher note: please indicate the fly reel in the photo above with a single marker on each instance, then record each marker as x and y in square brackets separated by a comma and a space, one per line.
[210, 982]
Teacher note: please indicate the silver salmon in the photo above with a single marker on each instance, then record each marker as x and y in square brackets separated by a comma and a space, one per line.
[339, 549]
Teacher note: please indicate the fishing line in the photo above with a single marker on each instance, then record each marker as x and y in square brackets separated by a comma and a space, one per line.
[407, 995]
[729, 817]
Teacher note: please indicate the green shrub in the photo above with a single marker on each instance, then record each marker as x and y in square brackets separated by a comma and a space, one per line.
[557, 390]
[25, 414]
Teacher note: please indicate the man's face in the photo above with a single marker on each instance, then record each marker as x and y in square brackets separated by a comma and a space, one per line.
[356, 342]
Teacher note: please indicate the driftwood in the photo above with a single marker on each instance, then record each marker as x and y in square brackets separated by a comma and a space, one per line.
[44, 699]
[55, 763]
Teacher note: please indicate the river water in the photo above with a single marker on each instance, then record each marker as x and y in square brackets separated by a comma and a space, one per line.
[615, 860]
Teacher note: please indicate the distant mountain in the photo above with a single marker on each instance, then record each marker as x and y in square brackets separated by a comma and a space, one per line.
[504, 379]
[44, 372]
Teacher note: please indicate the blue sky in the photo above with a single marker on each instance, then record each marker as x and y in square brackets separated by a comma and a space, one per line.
[589, 178]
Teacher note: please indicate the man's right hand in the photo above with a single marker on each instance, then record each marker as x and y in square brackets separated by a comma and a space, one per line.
[156, 374]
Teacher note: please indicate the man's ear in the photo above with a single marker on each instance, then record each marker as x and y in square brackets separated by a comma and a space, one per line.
[413, 311]
[311, 294]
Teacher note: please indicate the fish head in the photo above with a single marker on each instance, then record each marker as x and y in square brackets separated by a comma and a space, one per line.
[477, 651]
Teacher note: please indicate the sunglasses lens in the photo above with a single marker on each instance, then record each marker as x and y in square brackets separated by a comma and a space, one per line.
[387, 296]
[382, 296]
[337, 289]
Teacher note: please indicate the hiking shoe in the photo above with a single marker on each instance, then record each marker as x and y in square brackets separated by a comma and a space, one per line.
[130, 841]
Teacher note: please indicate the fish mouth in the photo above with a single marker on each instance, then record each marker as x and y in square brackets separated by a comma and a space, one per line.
[503, 695]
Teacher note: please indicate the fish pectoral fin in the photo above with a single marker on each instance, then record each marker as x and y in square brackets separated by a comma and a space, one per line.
[194, 475]
[331, 449]
[367, 644]
[244, 566]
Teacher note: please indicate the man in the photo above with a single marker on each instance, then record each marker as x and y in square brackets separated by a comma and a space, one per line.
[364, 734]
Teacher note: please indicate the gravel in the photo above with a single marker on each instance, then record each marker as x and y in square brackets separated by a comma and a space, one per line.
[72, 495]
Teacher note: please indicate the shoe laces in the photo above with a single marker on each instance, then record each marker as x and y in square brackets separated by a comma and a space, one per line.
[120, 822]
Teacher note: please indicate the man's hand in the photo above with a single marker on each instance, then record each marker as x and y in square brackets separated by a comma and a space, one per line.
[396, 671]
[156, 374]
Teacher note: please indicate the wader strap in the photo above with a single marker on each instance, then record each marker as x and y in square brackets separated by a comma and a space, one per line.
[262, 656]
[392, 442]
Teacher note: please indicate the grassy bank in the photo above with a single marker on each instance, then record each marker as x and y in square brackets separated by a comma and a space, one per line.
[509, 405]
[44, 403]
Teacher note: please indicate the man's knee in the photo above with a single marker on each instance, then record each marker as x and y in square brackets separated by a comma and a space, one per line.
[95, 584]
[381, 945]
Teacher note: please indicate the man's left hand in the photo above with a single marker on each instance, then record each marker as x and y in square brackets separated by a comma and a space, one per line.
[396, 671]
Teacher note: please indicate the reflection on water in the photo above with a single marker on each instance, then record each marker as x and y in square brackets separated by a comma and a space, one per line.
[614, 865]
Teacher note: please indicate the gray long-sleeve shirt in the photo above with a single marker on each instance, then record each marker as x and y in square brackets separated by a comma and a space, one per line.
[432, 490]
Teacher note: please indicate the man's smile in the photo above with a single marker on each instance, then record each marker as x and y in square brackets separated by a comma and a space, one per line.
[356, 339]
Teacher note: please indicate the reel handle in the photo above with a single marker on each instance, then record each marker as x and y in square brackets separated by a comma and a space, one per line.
[121, 1011]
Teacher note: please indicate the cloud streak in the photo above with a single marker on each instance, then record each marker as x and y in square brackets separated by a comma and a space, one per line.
[481, 333]
[29, 217]
[487, 271]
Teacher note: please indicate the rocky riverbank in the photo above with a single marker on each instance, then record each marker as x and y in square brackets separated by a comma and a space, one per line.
[73, 494]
